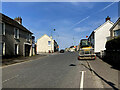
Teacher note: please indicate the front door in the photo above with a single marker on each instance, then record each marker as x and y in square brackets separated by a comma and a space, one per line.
[27, 50]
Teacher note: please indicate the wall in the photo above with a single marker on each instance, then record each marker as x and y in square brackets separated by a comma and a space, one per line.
[42, 44]
[10, 41]
[101, 37]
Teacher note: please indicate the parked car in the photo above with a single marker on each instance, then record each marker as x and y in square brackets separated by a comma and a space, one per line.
[62, 51]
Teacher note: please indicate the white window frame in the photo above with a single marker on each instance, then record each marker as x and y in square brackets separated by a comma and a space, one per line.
[3, 48]
[17, 49]
[16, 37]
[3, 31]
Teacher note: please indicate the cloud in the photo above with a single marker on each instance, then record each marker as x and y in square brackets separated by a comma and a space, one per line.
[83, 4]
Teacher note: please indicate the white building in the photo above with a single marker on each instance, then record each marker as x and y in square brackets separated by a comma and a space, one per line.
[46, 44]
[115, 29]
[100, 36]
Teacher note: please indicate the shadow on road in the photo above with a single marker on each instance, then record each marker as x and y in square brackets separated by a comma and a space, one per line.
[72, 65]
[108, 82]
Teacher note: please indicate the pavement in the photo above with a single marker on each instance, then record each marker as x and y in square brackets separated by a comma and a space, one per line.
[61, 70]
[10, 61]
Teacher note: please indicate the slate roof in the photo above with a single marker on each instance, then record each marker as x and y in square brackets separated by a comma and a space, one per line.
[12, 22]
[115, 24]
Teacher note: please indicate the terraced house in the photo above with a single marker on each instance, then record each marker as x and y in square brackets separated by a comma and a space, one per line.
[16, 40]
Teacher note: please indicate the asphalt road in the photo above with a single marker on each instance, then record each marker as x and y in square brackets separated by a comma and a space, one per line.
[61, 70]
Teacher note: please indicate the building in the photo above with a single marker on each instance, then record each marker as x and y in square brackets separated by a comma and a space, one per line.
[115, 29]
[56, 46]
[16, 40]
[100, 36]
[34, 52]
[46, 44]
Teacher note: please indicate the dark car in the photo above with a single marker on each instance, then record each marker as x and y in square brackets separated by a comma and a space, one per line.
[62, 51]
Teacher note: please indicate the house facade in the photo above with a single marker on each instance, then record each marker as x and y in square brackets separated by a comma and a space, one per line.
[100, 36]
[16, 40]
[46, 44]
[115, 29]
[34, 52]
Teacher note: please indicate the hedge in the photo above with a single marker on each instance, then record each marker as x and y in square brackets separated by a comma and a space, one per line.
[113, 44]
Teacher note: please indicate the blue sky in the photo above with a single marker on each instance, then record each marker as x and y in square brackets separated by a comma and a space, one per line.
[70, 19]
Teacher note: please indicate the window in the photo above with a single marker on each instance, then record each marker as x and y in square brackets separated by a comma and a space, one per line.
[16, 33]
[28, 37]
[16, 49]
[49, 43]
[3, 28]
[117, 32]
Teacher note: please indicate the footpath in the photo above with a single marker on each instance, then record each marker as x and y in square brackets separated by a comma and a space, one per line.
[14, 60]
[106, 73]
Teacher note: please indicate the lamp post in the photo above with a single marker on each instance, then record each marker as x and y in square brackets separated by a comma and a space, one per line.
[51, 39]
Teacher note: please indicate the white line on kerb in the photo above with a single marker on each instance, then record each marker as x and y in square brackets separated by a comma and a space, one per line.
[82, 79]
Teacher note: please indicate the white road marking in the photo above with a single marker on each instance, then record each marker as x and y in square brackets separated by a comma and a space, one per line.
[10, 78]
[82, 80]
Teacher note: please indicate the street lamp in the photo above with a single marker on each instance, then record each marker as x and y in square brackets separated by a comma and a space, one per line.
[51, 39]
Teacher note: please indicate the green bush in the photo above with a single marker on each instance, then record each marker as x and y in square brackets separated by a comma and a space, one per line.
[113, 44]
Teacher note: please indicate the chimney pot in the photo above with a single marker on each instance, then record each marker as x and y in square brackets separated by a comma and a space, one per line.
[108, 18]
[18, 19]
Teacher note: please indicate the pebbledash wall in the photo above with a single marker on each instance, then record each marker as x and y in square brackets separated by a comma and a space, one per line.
[100, 36]
[43, 45]
[9, 40]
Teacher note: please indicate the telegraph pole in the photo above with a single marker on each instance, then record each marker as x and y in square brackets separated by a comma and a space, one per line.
[51, 39]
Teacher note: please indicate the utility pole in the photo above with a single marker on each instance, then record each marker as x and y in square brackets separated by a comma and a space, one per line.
[51, 39]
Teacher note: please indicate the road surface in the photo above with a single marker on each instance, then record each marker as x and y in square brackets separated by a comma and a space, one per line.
[61, 70]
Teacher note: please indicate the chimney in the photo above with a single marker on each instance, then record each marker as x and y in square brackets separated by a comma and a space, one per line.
[18, 19]
[108, 18]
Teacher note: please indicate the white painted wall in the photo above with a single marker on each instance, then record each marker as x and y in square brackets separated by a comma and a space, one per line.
[42, 44]
[102, 34]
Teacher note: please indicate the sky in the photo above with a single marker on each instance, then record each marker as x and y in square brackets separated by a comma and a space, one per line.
[71, 20]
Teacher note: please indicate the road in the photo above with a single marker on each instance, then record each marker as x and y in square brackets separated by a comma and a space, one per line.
[61, 70]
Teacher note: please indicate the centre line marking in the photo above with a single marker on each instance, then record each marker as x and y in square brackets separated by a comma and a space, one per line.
[82, 80]
[10, 78]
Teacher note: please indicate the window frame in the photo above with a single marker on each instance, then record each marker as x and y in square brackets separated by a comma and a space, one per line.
[115, 32]
[17, 51]
[3, 48]
[16, 34]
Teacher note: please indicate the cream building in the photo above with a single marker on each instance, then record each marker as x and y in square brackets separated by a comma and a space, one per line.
[45, 44]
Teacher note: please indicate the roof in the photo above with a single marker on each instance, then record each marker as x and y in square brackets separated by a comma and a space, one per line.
[104, 24]
[115, 24]
[100, 27]
[12, 22]
[44, 35]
